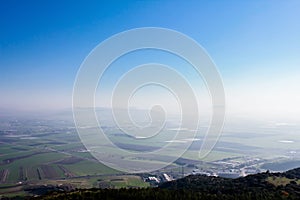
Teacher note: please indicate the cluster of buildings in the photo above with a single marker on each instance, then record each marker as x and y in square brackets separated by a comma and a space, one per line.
[155, 180]
[226, 168]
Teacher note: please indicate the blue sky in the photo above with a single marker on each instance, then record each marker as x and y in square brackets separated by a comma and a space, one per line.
[255, 45]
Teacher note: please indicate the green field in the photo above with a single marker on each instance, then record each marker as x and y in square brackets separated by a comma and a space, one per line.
[34, 152]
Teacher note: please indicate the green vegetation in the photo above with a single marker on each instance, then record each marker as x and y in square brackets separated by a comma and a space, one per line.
[281, 181]
[85, 168]
[263, 186]
[49, 154]
[124, 182]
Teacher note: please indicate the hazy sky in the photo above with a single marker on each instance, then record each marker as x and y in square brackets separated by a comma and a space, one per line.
[255, 45]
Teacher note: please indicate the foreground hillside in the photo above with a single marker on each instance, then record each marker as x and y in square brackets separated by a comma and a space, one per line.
[259, 186]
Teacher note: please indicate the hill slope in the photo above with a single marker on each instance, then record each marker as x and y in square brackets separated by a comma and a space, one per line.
[259, 186]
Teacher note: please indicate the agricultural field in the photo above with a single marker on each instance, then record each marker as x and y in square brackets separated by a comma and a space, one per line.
[49, 151]
[44, 152]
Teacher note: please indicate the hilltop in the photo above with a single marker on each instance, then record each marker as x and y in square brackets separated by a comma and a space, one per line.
[258, 186]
